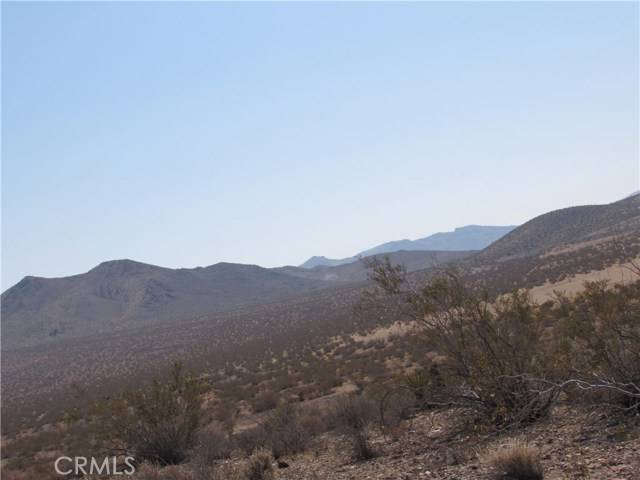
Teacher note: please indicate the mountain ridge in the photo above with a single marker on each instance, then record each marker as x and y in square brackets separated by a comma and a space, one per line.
[465, 238]
[121, 294]
[118, 293]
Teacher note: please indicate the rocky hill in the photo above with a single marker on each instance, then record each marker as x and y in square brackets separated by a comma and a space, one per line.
[121, 294]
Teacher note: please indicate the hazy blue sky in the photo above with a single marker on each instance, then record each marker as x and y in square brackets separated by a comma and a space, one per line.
[188, 134]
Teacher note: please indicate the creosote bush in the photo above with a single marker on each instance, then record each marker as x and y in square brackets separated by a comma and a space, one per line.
[156, 423]
[600, 343]
[485, 347]
[517, 462]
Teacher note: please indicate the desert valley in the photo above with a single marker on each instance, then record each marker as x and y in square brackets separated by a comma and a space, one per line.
[338, 368]
[309, 240]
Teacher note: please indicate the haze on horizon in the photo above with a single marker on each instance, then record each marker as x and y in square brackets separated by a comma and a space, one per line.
[188, 134]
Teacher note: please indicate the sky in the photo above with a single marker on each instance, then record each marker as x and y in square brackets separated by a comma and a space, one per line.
[185, 134]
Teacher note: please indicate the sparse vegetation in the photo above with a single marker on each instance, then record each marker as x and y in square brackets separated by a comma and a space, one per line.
[516, 462]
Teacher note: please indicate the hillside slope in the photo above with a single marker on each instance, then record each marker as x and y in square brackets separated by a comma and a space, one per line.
[566, 226]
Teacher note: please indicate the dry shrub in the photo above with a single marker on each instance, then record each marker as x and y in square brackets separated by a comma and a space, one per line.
[393, 404]
[517, 462]
[361, 444]
[351, 412]
[354, 417]
[260, 466]
[156, 423]
[212, 443]
[265, 400]
[250, 439]
[286, 430]
[311, 419]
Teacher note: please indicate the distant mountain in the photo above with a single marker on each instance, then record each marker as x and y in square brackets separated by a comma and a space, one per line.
[471, 237]
[327, 262]
[123, 293]
[566, 226]
[357, 270]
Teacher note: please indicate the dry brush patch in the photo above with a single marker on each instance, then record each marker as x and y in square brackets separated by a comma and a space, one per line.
[516, 462]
